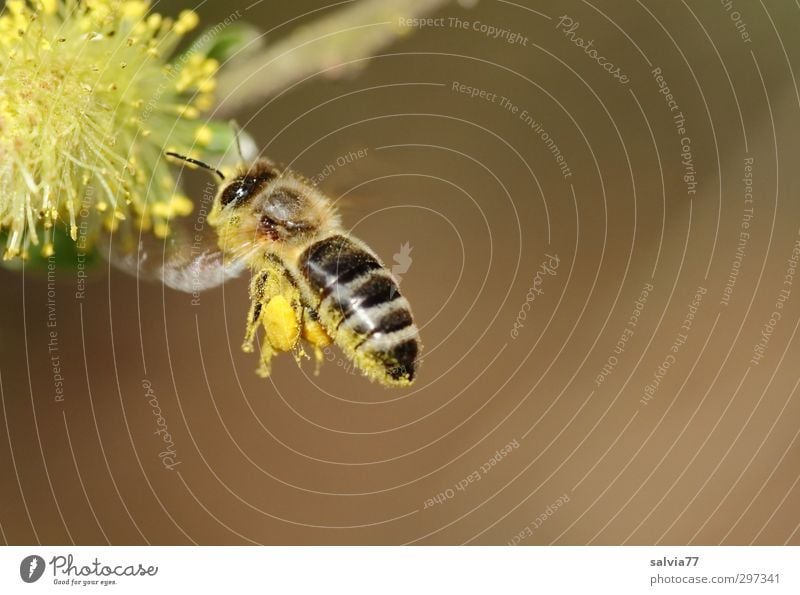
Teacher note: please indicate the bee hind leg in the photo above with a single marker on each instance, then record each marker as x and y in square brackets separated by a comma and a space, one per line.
[281, 323]
[275, 308]
[316, 336]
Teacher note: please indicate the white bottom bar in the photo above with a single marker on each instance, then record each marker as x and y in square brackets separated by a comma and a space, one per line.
[389, 570]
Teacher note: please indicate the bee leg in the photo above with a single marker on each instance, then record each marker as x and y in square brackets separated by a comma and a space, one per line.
[276, 308]
[281, 323]
[316, 336]
[265, 360]
[281, 330]
[257, 286]
[255, 318]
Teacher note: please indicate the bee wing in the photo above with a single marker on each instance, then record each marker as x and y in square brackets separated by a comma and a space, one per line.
[180, 264]
[200, 272]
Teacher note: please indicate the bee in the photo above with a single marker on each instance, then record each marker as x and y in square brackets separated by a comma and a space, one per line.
[311, 280]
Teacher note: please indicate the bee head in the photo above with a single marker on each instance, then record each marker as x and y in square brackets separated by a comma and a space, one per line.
[277, 206]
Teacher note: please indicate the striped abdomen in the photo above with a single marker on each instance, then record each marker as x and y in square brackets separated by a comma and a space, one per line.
[361, 308]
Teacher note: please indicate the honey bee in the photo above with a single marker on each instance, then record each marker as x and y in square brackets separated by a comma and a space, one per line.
[311, 280]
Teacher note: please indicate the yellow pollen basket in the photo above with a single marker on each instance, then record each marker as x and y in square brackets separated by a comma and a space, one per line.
[276, 310]
[81, 126]
[280, 323]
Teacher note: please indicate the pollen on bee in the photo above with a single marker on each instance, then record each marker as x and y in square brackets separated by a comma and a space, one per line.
[280, 324]
[275, 308]
[315, 334]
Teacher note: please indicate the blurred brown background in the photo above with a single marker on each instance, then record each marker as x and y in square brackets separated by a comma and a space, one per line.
[709, 456]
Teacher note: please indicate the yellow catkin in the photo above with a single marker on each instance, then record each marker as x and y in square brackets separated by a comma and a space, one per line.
[83, 154]
[204, 135]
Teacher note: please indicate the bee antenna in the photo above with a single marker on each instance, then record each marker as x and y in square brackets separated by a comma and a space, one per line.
[237, 131]
[196, 162]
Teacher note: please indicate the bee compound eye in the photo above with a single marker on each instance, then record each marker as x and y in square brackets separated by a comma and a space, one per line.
[239, 189]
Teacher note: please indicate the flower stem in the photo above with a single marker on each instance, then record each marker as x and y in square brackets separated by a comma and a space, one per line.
[342, 39]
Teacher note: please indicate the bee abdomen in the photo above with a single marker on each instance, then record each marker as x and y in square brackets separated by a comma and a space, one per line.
[361, 306]
[334, 261]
